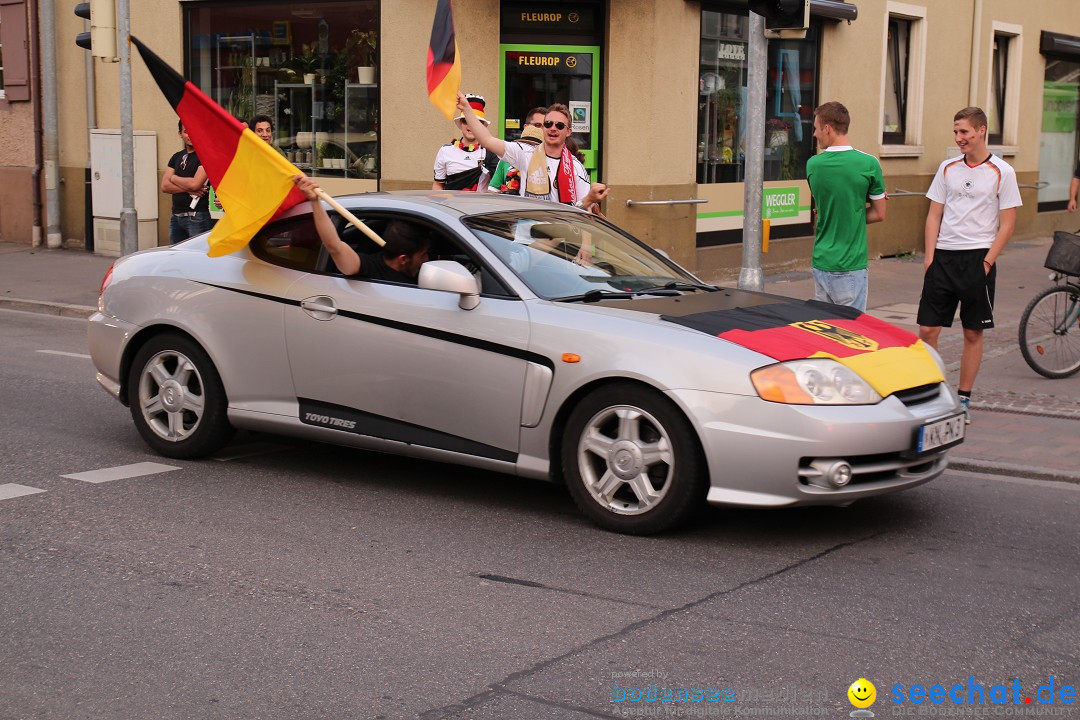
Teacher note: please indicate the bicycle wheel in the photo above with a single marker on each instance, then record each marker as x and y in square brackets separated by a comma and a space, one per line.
[1050, 332]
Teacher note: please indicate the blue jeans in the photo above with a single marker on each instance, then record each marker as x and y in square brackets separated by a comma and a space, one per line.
[842, 288]
[181, 228]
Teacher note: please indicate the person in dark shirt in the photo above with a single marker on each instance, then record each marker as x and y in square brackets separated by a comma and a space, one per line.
[405, 251]
[185, 179]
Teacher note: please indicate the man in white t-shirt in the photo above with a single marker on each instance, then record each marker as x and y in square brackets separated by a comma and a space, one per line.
[556, 175]
[973, 201]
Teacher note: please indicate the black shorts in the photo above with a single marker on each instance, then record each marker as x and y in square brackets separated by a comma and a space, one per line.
[958, 277]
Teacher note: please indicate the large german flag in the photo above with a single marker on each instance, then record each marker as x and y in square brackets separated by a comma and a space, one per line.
[443, 62]
[888, 358]
[252, 179]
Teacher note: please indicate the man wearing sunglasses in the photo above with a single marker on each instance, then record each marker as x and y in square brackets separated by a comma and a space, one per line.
[551, 172]
[507, 178]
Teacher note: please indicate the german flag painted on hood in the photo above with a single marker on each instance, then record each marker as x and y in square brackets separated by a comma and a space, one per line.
[888, 358]
[252, 179]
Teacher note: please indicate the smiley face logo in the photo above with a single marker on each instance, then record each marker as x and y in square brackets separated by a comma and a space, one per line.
[862, 693]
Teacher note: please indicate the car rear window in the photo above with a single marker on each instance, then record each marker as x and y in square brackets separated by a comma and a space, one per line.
[291, 243]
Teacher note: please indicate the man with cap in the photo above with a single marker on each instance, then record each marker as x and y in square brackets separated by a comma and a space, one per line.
[550, 170]
[463, 164]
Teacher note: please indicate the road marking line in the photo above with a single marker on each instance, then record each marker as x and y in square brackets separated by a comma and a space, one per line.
[14, 490]
[61, 352]
[121, 472]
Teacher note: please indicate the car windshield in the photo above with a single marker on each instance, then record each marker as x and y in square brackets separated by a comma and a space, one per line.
[571, 256]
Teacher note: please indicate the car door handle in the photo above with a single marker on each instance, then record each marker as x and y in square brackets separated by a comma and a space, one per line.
[319, 307]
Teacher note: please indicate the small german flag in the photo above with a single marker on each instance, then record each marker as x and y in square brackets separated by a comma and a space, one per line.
[252, 179]
[443, 63]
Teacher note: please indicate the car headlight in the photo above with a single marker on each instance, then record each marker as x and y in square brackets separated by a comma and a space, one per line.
[812, 382]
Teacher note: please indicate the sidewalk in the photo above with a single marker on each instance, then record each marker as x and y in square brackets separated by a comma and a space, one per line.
[1024, 425]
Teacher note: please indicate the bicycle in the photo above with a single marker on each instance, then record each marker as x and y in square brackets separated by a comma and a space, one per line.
[1050, 324]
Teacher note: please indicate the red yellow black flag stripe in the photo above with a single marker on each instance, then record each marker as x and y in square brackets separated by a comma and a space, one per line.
[252, 179]
[887, 357]
[443, 62]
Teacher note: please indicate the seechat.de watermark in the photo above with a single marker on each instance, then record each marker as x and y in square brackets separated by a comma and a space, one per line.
[971, 692]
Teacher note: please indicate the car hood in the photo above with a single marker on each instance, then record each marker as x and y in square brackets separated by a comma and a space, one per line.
[783, 328]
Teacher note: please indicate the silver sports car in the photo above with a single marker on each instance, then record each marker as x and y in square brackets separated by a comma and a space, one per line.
[539, 341]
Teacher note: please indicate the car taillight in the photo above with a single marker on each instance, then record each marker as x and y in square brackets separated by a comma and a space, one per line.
[105, 281]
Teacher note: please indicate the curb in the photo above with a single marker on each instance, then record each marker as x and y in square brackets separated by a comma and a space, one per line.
[48, 308]
[1022, 471]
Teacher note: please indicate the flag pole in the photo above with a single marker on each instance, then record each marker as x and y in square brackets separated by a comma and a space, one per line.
[356, 222]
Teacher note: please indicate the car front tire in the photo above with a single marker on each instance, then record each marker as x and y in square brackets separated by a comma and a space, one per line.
[632, 461]
[177, 399]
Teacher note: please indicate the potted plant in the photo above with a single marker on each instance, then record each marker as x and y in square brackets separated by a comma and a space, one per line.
[776, 133]
[361, 49]
[304, 63]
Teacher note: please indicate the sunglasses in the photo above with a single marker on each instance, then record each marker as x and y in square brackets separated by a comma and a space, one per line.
[558, 125]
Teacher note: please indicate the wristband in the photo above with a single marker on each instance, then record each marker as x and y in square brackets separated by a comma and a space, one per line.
[988, 263]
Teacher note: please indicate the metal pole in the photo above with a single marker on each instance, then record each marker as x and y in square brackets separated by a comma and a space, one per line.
[91, 123]
[750, 277]
[53, 237]
[129, 221]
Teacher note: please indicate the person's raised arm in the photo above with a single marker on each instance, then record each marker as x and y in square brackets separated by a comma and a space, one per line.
[483, 135]
[344, 257]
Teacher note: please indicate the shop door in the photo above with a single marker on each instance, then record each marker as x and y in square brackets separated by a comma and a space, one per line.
[535, 75]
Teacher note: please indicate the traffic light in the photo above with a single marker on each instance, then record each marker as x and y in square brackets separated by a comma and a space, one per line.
[783, 14]
[101, 40]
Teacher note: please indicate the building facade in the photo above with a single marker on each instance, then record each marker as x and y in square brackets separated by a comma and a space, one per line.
[657, 89]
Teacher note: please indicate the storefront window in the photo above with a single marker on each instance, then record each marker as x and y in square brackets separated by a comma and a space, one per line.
[310, 68]
[791, 88]
[1058, 146]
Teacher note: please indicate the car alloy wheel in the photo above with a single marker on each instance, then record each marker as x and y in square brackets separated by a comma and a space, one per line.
[177, 400]
[631, 460]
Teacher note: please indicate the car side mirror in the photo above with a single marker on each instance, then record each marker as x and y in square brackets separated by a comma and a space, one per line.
[450, 276]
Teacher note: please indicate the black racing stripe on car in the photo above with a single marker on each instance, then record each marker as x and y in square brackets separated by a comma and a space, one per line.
[450, 337]
[252, 293]
[465, 340]
[338, 417]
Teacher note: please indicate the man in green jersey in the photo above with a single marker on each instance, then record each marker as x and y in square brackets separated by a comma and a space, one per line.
[843, 181]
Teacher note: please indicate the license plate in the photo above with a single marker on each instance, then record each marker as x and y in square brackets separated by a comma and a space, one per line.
[942, 433]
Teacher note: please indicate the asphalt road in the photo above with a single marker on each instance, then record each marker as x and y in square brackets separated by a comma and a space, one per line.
[295, 580]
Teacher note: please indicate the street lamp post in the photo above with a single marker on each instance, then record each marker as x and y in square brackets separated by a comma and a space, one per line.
[129, 221]
[750, 276]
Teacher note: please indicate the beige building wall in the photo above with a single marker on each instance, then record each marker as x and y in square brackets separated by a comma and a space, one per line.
[650, 121]
[158, 23]
[16, 173]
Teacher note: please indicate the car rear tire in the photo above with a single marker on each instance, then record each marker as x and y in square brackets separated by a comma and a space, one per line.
[177, 400]
[632, 461]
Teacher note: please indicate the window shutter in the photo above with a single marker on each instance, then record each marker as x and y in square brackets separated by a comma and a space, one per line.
[14, 36]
